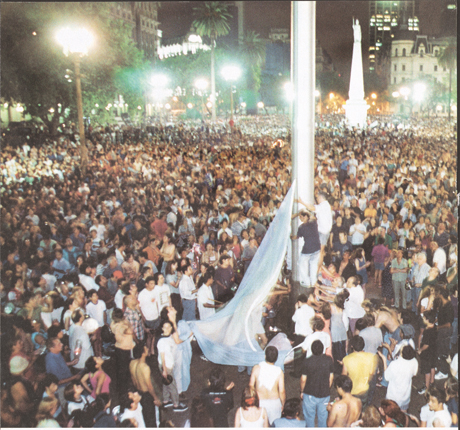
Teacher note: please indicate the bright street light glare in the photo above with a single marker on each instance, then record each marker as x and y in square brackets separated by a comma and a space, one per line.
[159, 81]
[331, 96]
[373, 96]
[243, 105]
[209, 105]
[189, 105]
[167, 106]
[419, 91]
[260, 105]
[231, 73]
[317, 93]
[395, 94]
[404, 91]
[201, 84]
[77, 40]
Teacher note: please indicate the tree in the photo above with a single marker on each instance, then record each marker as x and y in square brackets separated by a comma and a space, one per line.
[252, 51]
[212, 21]
[448, 58]
[33, 64]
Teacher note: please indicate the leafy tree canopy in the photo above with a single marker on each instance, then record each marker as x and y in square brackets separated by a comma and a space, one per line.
[33, 63]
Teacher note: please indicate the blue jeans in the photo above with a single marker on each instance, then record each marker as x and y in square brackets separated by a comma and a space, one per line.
[308, 268]
[313, 406]
[189, 310]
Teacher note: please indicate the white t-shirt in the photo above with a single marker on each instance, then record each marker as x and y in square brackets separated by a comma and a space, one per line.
[399, 375]
[439, 257]
[443, 416]
[97, 311]
[147, 301]
[167, 346]
[302, 317]
[161, 294]
[324, 217]
[88, 282]
[322, 336]
[353, 308]
[136, 414]
[205, 295]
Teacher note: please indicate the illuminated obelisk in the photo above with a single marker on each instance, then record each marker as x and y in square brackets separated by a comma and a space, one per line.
[356, 107]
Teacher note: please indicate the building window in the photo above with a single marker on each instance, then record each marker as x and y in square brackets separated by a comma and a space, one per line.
[403, 79]
[394, 80]
[436, 52]
[403, 67]
[404, 52]
[435, 68]
[421, 67]
[396, 52]
[444, 69]
[396, 67]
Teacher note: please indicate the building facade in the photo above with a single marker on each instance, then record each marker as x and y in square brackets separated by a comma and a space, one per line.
[384, 18]
[142, 17]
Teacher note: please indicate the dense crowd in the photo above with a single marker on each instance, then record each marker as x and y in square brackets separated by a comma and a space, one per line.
[102, 269]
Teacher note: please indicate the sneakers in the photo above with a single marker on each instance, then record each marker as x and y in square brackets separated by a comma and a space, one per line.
[422, 390]
[180, 407]
[167, 404]
[440, 375]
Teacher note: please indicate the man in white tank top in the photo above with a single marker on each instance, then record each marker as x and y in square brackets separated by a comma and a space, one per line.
[268, 380]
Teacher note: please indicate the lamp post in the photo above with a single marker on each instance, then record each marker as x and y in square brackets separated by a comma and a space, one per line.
[76, 42]
[231, 73]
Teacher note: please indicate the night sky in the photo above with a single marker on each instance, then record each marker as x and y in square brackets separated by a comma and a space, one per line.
[333, 23]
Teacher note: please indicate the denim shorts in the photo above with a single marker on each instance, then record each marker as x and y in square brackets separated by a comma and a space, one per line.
[379, 266]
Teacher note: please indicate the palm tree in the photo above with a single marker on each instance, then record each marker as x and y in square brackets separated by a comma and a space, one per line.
[252, 50]
[212, 21]
[448, 58]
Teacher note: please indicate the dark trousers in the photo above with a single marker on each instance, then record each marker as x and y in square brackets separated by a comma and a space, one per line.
[148, 410]
[299, 355]
[338, 352]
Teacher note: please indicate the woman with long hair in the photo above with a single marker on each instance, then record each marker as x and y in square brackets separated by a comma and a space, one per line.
[99, 380]
[250, 414]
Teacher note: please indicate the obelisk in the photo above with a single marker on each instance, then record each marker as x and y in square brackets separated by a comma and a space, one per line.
[356, 107]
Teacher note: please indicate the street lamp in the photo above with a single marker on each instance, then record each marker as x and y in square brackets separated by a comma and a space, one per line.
[76, 42]
[231, 74]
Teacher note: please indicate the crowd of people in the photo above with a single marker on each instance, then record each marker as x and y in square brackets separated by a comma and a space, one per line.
[102, 268]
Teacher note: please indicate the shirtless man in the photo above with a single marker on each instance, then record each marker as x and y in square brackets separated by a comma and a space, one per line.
[140, 374]
[345, 410]
[268, 380]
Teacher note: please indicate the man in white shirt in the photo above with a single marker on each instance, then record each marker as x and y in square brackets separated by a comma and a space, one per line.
[399, 375]
[439, 258]
[206, 304]
[302, 317]
[147, 303]
[436, 404]
[188, 293]
[85, 280]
